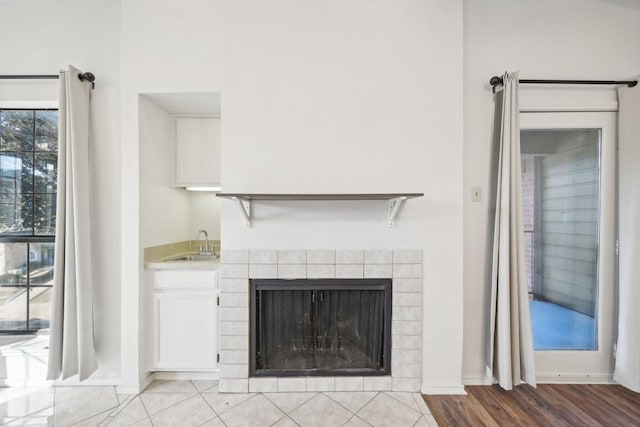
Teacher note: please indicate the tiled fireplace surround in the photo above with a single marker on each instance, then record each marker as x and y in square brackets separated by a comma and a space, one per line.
[404, 267]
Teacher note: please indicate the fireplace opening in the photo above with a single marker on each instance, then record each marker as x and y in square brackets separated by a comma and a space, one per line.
[320, 327]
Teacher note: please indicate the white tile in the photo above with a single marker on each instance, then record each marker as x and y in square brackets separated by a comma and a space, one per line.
[191, 412]
[131, 414]
[407, 271]
[422, 422]
[288, 402]
[234, 328]
[412, 370]
[216, 422]
[292, 271]
[156, 402]
[407, 285]
[406, 327]
[378, 256]
[234, 299]
[222, 402]
[263, 256]
[234, 356]
[321, 271]
[263, 271]
[356, 421]
[170, 386]
[374, 271]
[263, 385]
[40, 418]
[321, 256]
[407, 256]
[406, 313]
[255, 412]
[377, 383]
[405, 356]
[292, 384]
[285, 422]
[234, 385]
[322, 412]
[234, 371]
[406, 384]
[408, 342]
[349, 384]
[234, 314]
[297, 256]
[73, 404]
[19, 403]
[234, 285]
[422, 405]
[431, 420]
[404, 398]
[353, 401]
[234, 342]
[407, 299]
[234, 256]
[349, 256]
[385, 411]
[320, 384]
[349, 271]
[234, 271]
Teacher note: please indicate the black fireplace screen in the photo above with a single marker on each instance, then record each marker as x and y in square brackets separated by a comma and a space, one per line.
[320, 327]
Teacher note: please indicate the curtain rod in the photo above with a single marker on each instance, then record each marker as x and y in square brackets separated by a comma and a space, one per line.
[90, 77]
[495, 81]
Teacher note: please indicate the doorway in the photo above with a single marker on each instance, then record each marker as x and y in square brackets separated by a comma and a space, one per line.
[568, 187]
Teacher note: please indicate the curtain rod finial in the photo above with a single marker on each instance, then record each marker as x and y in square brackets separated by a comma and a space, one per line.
[495, 81]
[90, 77]
[633, 83]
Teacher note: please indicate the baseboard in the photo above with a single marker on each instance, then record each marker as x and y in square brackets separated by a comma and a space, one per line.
[572, 378]
[135, 388]
[476, 381]
[443, 389]
[170, 375]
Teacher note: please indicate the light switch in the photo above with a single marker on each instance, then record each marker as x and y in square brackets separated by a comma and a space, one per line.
[476, 194]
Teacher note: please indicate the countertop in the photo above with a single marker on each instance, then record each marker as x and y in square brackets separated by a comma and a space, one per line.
[167, 264]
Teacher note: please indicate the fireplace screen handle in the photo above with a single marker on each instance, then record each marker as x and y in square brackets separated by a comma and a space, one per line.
[317, 296]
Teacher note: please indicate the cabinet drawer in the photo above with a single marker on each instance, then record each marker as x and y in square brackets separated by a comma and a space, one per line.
[185, 279]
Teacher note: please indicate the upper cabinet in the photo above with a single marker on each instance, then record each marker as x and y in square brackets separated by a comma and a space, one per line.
[198, 151]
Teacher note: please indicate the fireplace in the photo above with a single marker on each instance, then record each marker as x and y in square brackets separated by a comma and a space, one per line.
[320, 327]
[397, 370]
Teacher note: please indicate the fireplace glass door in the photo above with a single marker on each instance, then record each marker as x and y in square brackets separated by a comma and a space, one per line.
[320, 327]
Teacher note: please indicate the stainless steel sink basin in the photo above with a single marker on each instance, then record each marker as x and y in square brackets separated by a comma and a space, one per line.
[194, 258]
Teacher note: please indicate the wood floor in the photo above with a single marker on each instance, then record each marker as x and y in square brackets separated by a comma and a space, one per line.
[546, 405]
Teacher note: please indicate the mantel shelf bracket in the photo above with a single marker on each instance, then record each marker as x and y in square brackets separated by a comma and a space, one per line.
[394, 200]
[245, 207]
[394, 207]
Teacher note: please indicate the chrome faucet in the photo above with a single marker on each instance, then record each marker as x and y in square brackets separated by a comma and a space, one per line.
[207, 250]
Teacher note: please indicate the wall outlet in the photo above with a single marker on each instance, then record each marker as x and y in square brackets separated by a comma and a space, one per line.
[476, 194]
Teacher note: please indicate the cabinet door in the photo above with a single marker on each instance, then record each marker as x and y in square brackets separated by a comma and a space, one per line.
[185, 333]
[198, 151]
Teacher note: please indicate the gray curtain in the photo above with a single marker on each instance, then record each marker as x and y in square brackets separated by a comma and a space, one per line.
[627, 364]
[511, 360]
[72, 349]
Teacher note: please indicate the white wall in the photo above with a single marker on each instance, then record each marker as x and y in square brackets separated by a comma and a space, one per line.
[360, 97]
[164, 211]
[567, 39]
[41, 37]
[317, 97]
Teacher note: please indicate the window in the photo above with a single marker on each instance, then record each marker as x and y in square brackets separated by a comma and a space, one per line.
[28, 177]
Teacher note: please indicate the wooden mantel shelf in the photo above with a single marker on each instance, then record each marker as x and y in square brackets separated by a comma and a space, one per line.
[244, 200]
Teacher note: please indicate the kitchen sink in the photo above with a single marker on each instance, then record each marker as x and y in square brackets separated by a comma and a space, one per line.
[193, 258]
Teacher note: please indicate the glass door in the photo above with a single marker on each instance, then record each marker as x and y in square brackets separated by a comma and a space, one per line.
[568, 187]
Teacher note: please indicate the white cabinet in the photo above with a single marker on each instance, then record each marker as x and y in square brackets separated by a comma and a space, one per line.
[185, 317]
[197, 151]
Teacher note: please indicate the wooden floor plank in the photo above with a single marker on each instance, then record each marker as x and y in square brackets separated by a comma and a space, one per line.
[546, 405]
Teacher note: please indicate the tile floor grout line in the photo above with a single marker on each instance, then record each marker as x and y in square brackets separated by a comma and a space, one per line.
[354, 413]
[214, 411]
[280, 419]
[356, 416]
[287, 413]
[146, 411]
[413, 409]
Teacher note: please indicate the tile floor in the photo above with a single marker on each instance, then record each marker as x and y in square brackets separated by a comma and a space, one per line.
[198, 403]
